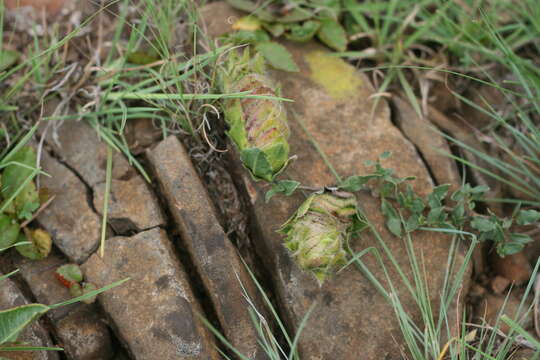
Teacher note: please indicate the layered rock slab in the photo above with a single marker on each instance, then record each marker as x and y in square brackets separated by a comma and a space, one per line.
[216, 258]
[155, 312]
[34, 334]
[80, 328]
[132, 206]
[335, 105]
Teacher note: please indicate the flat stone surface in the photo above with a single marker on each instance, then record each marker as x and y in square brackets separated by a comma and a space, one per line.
[84, 335]
[39, 275]
[34, 334]
[350, 318]
[215, 256]
[81, 148]
[131, 205]
[71, 221]
[155, 312]
[79, 327]
[431, 144]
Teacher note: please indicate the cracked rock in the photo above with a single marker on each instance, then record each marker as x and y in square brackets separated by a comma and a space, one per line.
[72, 223]
[34, 334]
[155, 312]
[335, 103]
[80, 328]
[216, 258]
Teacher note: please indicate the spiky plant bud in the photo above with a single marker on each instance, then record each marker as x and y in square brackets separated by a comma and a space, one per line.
[316, 233]
[257, 126]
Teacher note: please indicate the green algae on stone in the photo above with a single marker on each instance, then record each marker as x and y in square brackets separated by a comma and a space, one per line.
[317, 232]
[257, 126]
[337, 77]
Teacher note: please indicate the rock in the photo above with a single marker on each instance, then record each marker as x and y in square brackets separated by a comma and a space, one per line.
[34, 334]
[350, 317]
[499, 284]
[50, 6]
[515, 268]
[72, 223]
[524, 354]
[493, 306]
[79, 327]
[155, 312]
[431, 144]
[215, 256]
[131, 205]
[84, 335]
[81, 148]
[39, 275]
[141, 134]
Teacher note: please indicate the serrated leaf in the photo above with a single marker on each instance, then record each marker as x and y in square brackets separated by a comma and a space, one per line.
[332, 34]
[303, 32]
[255, 160]
[526, 217]
[13, 321]
[355, 183]
[483, 224]
[296, 15]
[285, 187]
[277, 56]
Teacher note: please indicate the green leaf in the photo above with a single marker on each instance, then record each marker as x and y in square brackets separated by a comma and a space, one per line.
[483, 224]
[526, 217]
[296, 15]
[412, 223]
[437, 196]
[285, 187]
[394, 225]
[355, 183]
[13, 321]
[8, 58]
[332, 34]
[21, 168]
[9, 231]
[253, 8]
[255, 160]
[509, 248]
[277, 56]
[303, 32]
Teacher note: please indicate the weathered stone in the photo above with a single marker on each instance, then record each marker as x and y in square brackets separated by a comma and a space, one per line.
[431, 144]
[492, 307]
[215, 256]
[141, 134]
[34, 334]
[39, 275]
[155, 312]
[515, 267]
[82, 332]
[73, 225]
[81, 148]
[84, 335]
[131, 205]
[334, 102]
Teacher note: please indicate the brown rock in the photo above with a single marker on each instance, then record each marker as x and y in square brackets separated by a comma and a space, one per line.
[429, 143]
[79, 327]
[334, 102]
[155, 311]
[34, 334]
[74, 226]
[216, 258]
[39, 275]
[81, 148]
[131, 205]
[51, 6]
[515, 268]
[141, 134]
[499, 284]
[494, 306]
[85, 335]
